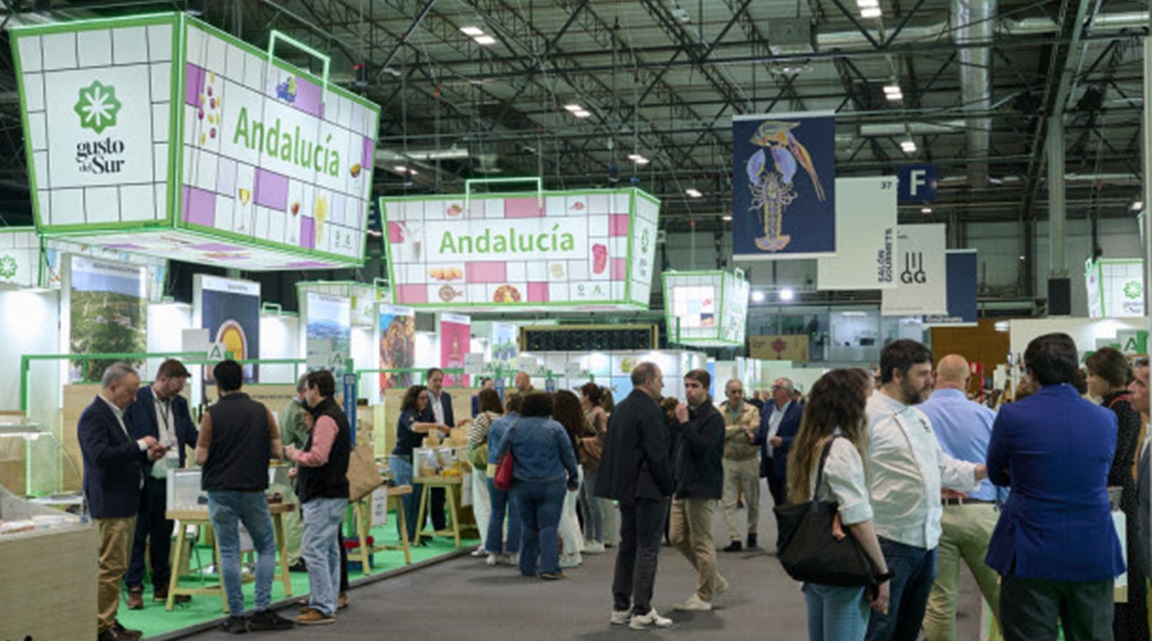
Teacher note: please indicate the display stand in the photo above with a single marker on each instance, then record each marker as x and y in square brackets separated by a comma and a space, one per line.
[449, 483]
[364, 525]
[201, 518]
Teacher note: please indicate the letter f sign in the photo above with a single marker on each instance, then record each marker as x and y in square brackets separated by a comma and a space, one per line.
[917, 178]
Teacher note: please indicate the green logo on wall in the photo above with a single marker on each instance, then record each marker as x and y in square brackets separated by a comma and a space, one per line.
[1133, 290]
[97, 107]
[644, 241]
[7, 266]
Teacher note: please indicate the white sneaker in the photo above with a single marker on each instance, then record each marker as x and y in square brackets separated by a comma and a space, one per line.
[570, 560]
[593, 547]
[514, 558]
[721, 585]
[492, 559]
[694, 604]
[650, 620]
[480, 551]
[620, 617]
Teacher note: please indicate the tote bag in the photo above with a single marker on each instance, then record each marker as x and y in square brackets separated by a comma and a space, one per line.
[363, 476]
[504, 465]
[813, 547]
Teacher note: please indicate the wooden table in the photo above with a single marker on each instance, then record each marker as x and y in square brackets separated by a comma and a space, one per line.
[201, 518]
[363, 526]
[449, 483]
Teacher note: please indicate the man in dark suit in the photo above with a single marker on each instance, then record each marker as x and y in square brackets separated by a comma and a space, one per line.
[1055, 546]
[161, 412]
[441, 404]
[779, 423]
[636, 472]
[113, 473]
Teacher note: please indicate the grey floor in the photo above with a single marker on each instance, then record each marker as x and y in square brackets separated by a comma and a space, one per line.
[463, 599]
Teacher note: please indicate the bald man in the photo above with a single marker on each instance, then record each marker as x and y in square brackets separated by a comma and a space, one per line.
[963, 428]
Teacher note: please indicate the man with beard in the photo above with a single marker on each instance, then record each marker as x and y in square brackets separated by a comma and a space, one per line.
[699, 484]
[906, 470]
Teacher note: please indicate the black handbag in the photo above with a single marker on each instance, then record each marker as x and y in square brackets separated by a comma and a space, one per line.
[812, 546]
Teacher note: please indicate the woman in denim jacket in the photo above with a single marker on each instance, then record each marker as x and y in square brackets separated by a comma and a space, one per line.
[544, 469]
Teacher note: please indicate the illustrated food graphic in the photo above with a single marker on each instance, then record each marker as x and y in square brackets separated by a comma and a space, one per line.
[235, 342]
[355, 170]
[446, 273]
[506, 294]
[599, 258]
[320, 211]
[454, 210]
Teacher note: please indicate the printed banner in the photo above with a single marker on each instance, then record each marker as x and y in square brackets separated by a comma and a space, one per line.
[577, 250]
[865, 236]
[779, 348]
[921, 272]
[783, 186]
[1115, 287]
[230, 311]
[107, 313]
[962, 288]
[329, 323]
[397, 345]
[455, 342]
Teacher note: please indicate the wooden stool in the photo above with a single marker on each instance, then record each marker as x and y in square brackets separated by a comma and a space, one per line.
[449, 483]
[201, 518]
[364, 525]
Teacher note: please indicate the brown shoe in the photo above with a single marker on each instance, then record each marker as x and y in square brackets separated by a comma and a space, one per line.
[125, 633]
[312, 616]
[136, 597]
[342, 601]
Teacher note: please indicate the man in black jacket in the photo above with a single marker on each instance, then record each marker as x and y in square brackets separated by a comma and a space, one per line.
[699, 484]
[636, 472]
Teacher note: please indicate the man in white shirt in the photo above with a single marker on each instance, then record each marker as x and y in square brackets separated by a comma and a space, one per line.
[907, 469]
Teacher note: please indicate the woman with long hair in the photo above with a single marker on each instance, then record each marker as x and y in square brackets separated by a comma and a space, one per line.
[566, 411]
[1108, 377]
[501, 548]
[545, 466]
[591, 446]
[488, 409]
[835, 412]
[415, 421]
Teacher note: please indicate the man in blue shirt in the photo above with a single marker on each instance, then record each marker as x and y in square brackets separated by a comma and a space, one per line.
[963, 428]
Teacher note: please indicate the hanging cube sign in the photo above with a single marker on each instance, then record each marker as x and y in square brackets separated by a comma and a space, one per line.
[165, 136]
[575, 250]
[1115, 287]
[706, 308]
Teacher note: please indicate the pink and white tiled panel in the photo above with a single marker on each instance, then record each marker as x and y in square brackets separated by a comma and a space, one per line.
[535, 279]
[114, 56]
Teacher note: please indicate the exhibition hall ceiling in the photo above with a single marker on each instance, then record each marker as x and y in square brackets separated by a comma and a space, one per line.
[573, 90]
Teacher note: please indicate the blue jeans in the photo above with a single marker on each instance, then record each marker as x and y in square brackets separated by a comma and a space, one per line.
[321, 551]
[494, 542]
[915, 569]
[590, 508]
[402, 475]
[540, 505]
[227, 510]
[835, 613]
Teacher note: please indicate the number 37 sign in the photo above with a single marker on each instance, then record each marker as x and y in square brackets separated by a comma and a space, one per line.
[920, 271]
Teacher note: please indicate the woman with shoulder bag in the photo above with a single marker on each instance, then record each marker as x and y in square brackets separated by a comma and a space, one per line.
[835, 412]
[489, 409]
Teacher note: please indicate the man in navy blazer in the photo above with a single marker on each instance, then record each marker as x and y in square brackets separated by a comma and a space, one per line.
[1055, 546]
[441, 405]
[113, 473]
[161, 412]
[779, 423]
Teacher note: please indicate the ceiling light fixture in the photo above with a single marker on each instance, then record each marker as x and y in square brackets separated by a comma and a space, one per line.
[726, 219]
[925, 210]
[1137, 205]
[401, 169]
[695, 193]
[472, 32]
[867, 4]
[638, 159]
[574, 107]
[757, 296]
[871, 12]
[583, 113]
[787, 294]
[485, 40]
[908, 146]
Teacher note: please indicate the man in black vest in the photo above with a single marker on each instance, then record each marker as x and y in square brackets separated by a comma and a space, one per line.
[238, 436]
[322, 485]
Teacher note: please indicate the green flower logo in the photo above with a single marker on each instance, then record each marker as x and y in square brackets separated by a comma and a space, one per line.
[1133, 290]
[644, 241]
[8, 266]
[97, 107]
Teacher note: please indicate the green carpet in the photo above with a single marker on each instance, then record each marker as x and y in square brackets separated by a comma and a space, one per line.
[155, 620]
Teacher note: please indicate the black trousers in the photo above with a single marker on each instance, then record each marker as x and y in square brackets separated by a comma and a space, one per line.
[151, 526]
[1030, 609]
[641, 526]
[777, 487]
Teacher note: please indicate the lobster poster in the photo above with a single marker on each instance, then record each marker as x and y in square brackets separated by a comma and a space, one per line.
[783, 187]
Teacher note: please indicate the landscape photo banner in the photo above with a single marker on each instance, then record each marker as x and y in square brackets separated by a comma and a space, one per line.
[783, 186]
